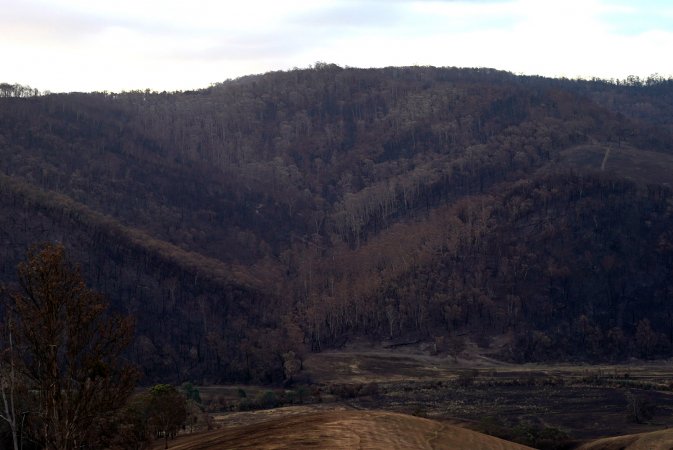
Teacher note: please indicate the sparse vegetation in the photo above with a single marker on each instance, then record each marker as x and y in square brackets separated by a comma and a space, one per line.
[466, 378]
[540, 437]
[638, 410]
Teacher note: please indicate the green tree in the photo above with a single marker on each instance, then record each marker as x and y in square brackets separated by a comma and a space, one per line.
[191, 392]
[69, 351]
[167, 409]
[133, 431]
[291, 365]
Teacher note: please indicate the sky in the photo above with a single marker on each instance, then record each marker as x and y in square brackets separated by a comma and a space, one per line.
[116, 45]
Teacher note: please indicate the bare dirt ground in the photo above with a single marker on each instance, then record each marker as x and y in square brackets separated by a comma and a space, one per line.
[343, 430]
[362, 361]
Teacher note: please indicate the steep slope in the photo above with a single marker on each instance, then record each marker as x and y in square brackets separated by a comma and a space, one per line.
[161, 285]
[288, 210]
[575, 266]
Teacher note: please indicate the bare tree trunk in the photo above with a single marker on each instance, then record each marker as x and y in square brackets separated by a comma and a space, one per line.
[7, 386]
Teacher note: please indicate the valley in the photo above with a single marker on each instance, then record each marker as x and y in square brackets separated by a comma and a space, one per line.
[346, 253]
[575, 406]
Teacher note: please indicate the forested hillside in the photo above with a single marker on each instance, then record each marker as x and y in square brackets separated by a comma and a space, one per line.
[288, 211]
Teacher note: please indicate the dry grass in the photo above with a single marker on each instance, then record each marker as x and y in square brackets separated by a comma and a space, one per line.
[655, 440]
[344, 430]
[359, 364]
[362, 363]
[585, 401]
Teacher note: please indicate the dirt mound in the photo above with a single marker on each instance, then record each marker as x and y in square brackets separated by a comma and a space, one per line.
[345, 430]
[655, 440]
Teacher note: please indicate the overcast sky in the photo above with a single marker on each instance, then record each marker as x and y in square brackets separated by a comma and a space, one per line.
[114, 45]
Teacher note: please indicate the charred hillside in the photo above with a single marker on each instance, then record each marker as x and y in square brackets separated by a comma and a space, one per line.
[289, 210]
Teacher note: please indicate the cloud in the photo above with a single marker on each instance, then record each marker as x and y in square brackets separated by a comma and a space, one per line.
[173, 44]
[353, 14]
[240, 48]
[31, 22]
[630, 18]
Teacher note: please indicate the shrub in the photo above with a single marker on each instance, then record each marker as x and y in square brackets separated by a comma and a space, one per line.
[546, 438]
[266, 399]
[369, 389]
[466, 377]
[345, 391]
[638, 410]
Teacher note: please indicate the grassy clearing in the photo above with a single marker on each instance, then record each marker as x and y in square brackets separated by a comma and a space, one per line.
[641, 166]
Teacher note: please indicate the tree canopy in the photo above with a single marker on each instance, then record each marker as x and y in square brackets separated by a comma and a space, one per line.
[70, 351]
[282, 213]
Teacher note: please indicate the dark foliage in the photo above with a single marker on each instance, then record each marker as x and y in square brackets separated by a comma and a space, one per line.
[67, 354]
[284, 212]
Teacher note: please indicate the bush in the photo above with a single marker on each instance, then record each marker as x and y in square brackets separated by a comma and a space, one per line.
[466, 377]
[492, 426]
[302, 392]
[546, 438]
[266, 399]
[246, 405]
[288, 397]
[419, 411]
[191, 392]
[345, 391]
[370, 390]
[638, 410]
[552, 439]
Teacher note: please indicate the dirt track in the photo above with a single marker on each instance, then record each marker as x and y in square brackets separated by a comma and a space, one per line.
[344, 430]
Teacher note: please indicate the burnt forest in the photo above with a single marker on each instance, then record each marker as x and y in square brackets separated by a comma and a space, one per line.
[293, 212]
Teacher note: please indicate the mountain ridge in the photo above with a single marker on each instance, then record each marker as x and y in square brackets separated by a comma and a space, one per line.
[289, 210]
